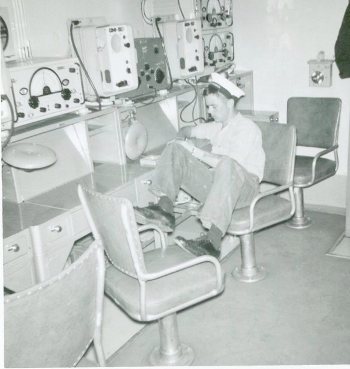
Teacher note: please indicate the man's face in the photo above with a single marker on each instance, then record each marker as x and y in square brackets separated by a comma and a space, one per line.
[219, 107]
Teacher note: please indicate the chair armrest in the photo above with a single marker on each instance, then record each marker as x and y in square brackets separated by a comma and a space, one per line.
[318, 155]
[187, 264]
[278, 189]
[150, 227]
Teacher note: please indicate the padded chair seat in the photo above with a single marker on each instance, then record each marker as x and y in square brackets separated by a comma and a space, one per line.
[163, 293]
[269, 210]
[302, 171]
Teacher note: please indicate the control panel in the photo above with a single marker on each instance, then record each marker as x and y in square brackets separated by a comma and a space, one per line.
[184, 47]
[151, 68]
[218, 49]
[108, 53]
[43, 88]
[216, 13]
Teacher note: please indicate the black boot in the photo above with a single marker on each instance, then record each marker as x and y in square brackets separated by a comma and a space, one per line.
[154, 214]
[198, 247]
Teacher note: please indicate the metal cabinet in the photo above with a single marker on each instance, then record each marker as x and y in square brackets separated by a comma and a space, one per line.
[52, 243]
[19, 273]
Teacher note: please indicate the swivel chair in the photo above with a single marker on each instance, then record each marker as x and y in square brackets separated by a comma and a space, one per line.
[150, 285]
[317, 122]
[267, 208]
[53, 323]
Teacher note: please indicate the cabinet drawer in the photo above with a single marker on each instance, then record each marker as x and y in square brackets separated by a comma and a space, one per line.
[79, 223]
[56, 228]
[15, 247]
[19, 273]
[143, 195]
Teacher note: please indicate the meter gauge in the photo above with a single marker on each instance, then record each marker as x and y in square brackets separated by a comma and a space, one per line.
[4, 34]
[45, 81]
[65, 82]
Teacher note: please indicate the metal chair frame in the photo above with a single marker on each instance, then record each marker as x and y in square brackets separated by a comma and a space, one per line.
[300, 220]
[171, 351]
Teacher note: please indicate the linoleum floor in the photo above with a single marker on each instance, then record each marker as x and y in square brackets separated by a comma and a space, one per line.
[298, 315]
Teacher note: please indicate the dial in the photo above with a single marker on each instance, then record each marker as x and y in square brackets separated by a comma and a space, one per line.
[4, 33]
[45, 81]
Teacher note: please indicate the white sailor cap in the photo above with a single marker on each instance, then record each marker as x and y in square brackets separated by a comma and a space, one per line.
[223, 83]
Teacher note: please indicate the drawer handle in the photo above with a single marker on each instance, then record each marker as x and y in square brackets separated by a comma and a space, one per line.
[14, 248]
[146, 181]
[56, 228]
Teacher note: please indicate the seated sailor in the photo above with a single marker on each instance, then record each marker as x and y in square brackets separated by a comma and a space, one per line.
[223, 179]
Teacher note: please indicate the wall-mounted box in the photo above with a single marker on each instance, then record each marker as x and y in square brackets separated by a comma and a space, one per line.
[320, 73]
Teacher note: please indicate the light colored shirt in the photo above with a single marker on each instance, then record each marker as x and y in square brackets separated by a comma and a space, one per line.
[240, 140]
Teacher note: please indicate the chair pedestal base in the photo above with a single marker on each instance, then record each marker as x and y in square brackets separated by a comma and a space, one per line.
[249, 275]
[184, 357]
[299, 220]
[170, 351]
[248, 271]
[299, 223]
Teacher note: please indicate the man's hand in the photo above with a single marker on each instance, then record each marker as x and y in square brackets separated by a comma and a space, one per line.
[184, 132]
[188, 145]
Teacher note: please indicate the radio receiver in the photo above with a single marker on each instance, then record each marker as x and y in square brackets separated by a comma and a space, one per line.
[216, 14]
[43, 88]
[151, 68]
[108, 54]
[7, 39]
[218, 49]
[184, 47]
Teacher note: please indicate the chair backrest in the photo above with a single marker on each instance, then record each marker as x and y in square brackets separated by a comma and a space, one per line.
[112, 221]
[51, 324]
[316, 120]
[279, 144]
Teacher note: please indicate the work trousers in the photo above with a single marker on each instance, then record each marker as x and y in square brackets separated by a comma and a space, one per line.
[222, 189]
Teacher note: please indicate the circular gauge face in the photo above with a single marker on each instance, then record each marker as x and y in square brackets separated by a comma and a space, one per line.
[65, 82]
[4, 33]
[45, 82]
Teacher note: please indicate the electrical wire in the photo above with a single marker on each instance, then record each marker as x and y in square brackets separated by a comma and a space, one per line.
[11, 130]
[166, 56]
[83, 66]
[143, 11]
[152, 98]
[193, 101]
[180, 7]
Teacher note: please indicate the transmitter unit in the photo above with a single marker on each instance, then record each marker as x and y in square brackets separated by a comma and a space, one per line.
[151, 68]
[184, 47]
[45, 87]
[109, 56]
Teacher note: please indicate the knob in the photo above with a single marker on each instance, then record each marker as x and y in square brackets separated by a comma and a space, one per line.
[147, 66]
[127, 44]
[128, 70]
[66, 94]
[20, 115]
[33, 102]
[148, 77]
[72, 70]
[159, 76]
[46, 90]
[317, 77]
[76, 101]
[56, 228]
[156, 50]
[14, 248]
[58, 106]
[42, 110]
[122, 83]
